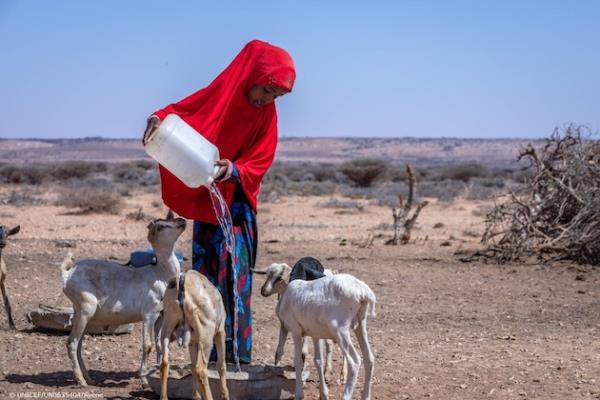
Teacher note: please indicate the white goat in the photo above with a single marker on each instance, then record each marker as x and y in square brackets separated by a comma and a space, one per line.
[107, 293]
[309, 268]
[4, 234]
[192, 302]
[325, 308]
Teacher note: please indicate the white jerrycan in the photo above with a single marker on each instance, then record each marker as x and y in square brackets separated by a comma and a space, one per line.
[183, 151]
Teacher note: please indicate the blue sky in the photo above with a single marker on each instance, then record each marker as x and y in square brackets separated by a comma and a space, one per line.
[397, 68]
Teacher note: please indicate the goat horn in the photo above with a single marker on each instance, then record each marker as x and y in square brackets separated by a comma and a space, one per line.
[170, 214]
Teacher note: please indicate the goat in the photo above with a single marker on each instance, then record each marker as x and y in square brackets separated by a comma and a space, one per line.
[192, 302]
[308, 269]
[326, 308]
[4, 234]
[107, 293]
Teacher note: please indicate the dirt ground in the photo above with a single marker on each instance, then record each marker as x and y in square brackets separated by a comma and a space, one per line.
[443, 330]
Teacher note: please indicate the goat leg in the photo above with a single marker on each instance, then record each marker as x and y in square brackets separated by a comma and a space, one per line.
[11, 323]
[363, 341]
[147, 330]
[220, 344]
[353, 361]
[166, 330]
[328, 360]
[158, 326]
[323, 391]
[298, 365]
[80, 320]
[200, 373]
[283, 332]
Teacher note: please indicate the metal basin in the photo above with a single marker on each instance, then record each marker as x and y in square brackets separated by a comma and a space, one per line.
[254, 382]
[59, 319]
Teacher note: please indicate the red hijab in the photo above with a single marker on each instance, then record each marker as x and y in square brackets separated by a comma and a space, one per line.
[243, 133]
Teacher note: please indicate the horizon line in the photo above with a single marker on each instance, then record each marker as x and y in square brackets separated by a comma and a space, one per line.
[282, 138]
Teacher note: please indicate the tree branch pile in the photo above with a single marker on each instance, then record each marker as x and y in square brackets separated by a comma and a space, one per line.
[557, 214]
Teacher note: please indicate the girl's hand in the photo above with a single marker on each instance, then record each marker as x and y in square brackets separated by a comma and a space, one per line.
[152, 123]
[225, 170]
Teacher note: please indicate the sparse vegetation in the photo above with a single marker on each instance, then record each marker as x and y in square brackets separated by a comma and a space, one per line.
[20, 198]
[342, 204]
[137, 215]
[90, 200]
[363, 172]
[358, 179]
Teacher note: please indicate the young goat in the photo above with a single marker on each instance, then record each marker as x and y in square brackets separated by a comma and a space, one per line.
[107, 293]
[326, 308]
[194, 303]
[4, 234]
[308, 269]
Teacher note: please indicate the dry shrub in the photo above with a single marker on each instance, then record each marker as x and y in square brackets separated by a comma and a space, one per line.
[363, 172]
[556, 215]
[140, 172]
[75, 169]
[342, 204]
[89, 200]
[302, 172]
[20, 198]
[137, 215]
[445, 191]
[37, 173]
[464, 172]
[33, 174]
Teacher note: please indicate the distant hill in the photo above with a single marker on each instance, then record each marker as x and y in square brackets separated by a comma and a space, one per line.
[499, 153]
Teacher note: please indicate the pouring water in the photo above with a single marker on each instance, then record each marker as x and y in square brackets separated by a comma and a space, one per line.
[223, 217]
[188, 155]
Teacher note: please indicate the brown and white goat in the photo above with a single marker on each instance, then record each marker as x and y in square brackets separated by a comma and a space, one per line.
[195, 304]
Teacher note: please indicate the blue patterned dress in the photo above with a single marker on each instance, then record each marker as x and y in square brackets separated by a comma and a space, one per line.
[210, 257]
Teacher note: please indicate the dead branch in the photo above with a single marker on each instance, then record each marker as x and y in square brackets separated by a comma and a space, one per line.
[401, 214]
[557, 214]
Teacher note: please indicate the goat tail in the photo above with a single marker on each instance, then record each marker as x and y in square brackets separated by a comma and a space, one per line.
[66, 265]
[367, 302]
[371, 301]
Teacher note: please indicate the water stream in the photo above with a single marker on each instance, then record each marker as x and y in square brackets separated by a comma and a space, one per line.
[224, 218]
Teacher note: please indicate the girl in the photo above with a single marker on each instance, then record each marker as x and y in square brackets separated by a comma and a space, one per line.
[236, 112]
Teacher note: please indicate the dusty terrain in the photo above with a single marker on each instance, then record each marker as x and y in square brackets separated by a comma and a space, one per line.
[499, 153]
[443, 330]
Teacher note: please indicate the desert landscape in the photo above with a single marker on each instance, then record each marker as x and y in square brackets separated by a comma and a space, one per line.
[444, 329]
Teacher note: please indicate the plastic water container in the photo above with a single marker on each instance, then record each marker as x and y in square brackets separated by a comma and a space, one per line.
[183, 151]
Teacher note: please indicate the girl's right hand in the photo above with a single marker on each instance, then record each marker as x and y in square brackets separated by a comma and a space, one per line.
[151, 124]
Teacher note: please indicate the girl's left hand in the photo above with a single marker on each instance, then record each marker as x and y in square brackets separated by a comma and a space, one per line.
[225, 170]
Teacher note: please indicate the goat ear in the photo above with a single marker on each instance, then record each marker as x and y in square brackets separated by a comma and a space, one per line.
[14, 230]
[258, 271]
[170, 214]
[150, 224]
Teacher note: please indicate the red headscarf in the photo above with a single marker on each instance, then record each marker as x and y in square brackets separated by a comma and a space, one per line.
[243, 133]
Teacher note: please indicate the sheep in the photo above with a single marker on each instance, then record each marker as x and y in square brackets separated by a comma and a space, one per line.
[326, 308]
[193, 303]
[107, 293]
[4, 234]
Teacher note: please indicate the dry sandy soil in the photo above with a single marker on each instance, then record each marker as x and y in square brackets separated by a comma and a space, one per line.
[443, 330]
